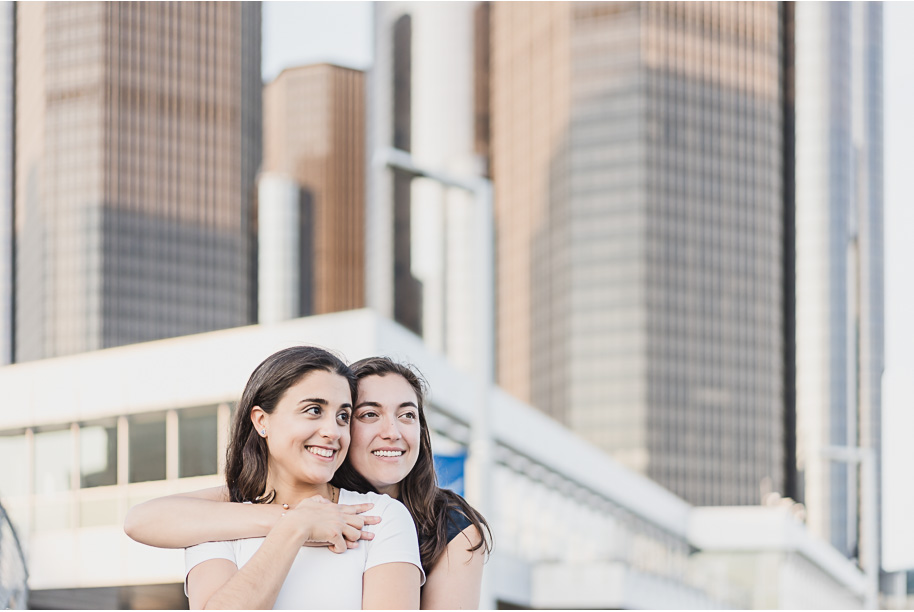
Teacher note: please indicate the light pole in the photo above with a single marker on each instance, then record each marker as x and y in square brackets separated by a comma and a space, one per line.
[865, 458]
[483, 307]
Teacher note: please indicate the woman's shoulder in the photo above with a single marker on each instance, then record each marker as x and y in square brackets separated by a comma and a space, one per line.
[381, 501]
[457, 521]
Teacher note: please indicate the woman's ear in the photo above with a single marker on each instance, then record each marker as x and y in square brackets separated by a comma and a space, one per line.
[260, 419]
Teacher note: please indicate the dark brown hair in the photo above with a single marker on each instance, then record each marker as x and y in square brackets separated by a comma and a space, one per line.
[428, 504]
[247, 454]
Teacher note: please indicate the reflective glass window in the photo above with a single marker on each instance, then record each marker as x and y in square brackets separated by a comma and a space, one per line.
[197, 442]
[147, 447]
[14, 459]
[53, 461]
[98, 454]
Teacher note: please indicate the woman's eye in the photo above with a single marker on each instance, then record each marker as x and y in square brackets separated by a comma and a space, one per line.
[315, 410]
[408, 415]
[343, 418]
[368, 414]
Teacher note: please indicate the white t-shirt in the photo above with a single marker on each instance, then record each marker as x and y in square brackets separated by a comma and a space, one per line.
[318, 578]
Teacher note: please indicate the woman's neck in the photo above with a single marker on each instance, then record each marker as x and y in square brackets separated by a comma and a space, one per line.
[292, 494]
[391, 490]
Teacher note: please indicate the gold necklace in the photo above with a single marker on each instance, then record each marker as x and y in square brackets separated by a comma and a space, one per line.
[333, 494]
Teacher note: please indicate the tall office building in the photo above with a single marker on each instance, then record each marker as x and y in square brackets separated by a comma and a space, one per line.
[638, 159]
[428, 96]
[839, 260]
[312, 193]
[7, 63]
[137, 143]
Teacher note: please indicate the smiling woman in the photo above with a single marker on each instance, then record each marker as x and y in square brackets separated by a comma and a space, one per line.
[289, 435]
[392, 454]
[390, 461]
[386, 440]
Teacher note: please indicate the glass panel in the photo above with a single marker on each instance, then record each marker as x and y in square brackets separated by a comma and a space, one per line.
[53, 461]
[13, 482]
[197, 441]
[147, 447]
[98, 454]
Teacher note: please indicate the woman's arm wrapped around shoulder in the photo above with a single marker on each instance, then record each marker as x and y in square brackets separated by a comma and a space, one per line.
[188, 519]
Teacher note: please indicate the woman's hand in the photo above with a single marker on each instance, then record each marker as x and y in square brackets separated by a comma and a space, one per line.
[186, 519]
[324, 523]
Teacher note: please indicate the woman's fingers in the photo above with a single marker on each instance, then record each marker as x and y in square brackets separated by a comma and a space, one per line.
[359, 521]
[338, 527]
[351, 533]
[338, 544]
[368, 519]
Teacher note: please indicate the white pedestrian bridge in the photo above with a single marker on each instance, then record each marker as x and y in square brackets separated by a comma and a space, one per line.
[93, 434]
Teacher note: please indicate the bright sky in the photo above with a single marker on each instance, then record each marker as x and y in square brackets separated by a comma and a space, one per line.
[296, 33]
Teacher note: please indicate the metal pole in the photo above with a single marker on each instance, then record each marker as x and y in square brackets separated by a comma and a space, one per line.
[865, 458]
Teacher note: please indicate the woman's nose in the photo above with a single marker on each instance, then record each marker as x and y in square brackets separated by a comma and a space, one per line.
[391, 430]
[330, 429]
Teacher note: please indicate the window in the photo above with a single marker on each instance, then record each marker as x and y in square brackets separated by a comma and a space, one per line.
[197, 442]
[13, 453]
[53, 461]
[98, 454]
[147, 447]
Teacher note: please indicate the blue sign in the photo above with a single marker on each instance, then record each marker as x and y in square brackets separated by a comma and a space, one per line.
[449, 469]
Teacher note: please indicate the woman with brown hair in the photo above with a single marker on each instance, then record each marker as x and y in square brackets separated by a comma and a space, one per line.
[290, 433]
[390, 453]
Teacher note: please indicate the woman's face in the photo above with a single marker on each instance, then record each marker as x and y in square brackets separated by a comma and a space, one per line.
[308, 431]
[385, 431]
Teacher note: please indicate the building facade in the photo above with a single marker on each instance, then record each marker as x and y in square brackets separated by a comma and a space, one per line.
[121, 440]
[428, 96]
[7, 64]
[839, 260]
[638, 163]
[314, 169]
[137, 146]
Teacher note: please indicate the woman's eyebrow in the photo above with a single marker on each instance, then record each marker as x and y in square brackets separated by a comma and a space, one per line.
[322, 402]
[409, 404]
[368, 403]
[314, 400]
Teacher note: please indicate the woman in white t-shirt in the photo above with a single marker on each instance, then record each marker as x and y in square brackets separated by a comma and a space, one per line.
[290, 433]
[390, 453]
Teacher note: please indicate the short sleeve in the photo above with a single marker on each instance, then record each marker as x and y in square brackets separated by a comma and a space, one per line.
[195, 555]
[456, 523]
[395, 539]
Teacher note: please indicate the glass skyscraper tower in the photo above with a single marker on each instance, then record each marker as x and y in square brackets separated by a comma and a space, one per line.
[138, 136]
[839, 224]
[638, 160]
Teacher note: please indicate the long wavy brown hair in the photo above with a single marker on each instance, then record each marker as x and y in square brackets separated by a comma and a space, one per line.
[247, 456]
[428, 503]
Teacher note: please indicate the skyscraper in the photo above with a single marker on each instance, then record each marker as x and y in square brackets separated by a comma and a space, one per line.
[839, 224]
[137, 143]
[428, 95]
[638, 161]
[7, 25]
[314, 137]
